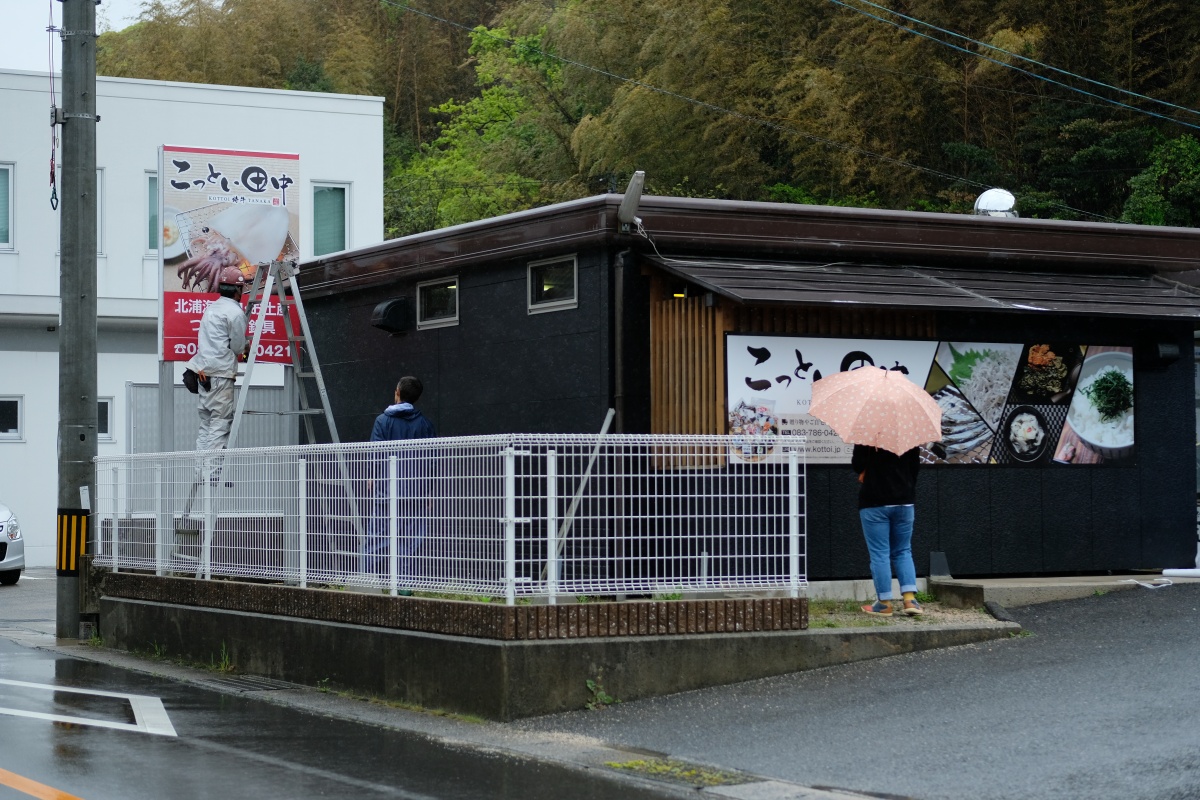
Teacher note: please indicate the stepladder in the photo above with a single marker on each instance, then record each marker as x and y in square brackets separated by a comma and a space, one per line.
[273, 300]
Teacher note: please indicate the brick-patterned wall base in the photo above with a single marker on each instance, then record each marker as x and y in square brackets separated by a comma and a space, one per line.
[480, 620]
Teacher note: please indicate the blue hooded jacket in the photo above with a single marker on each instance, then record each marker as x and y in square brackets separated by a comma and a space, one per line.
[401, 421]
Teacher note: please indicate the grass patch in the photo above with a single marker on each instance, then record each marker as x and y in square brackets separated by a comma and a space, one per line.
[216, 663]
[668, 769]
[465, 598]
[403, 706]
[819, 607]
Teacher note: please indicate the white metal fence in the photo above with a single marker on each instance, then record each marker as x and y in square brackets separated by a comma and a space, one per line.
[500, 516]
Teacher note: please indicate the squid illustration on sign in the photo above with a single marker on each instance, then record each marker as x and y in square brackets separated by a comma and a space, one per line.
[242, 236]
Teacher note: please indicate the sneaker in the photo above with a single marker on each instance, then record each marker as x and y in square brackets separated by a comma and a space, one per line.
[878, 609]
[912, 608]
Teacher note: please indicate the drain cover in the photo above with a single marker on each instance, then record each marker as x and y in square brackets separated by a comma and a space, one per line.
[251, 683]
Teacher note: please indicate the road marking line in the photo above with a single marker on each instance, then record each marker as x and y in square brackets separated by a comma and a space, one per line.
[32, 788]
[148, 712]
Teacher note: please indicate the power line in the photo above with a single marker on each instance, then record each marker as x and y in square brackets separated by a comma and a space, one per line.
[1028, 60]
[721, 109]
[1015, 68]
[789, 53]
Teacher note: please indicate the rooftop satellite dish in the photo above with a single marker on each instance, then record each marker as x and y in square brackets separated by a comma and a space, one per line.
[627, 214]
[996, 203]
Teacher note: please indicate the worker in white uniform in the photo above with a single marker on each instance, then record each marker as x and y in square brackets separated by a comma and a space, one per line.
[222, 341]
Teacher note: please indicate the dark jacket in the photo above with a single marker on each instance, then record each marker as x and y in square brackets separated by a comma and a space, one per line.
[888, 479]
[401, 421]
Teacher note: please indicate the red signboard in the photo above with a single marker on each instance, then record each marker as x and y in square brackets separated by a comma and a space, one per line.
[181, 324]
[223, 208]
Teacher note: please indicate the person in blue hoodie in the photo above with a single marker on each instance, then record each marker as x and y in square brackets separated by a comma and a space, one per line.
[399, 422]
[402, 420]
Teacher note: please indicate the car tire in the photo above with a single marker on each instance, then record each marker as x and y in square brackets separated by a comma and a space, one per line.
[9, 577]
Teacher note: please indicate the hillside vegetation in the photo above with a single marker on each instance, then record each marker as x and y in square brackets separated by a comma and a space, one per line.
[1082, 108]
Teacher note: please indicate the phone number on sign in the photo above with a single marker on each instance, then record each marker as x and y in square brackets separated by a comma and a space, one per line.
[262, 351]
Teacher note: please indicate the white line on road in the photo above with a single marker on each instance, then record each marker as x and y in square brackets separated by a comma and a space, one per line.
[148, 712]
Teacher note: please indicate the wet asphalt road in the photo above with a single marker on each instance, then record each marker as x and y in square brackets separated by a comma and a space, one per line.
[1097, 703]
[1101, 701]
[236, 747]
[231, 746]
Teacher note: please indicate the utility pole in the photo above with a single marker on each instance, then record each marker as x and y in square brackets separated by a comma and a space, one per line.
[77, 293]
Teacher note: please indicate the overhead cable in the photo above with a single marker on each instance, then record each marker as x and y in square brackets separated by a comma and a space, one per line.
[1035, 62]
[1006, 65]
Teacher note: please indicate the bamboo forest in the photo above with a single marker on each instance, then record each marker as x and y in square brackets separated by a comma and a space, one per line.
[1084, 109]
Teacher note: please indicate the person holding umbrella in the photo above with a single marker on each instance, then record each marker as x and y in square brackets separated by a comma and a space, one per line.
[886, 417]
[886, 508]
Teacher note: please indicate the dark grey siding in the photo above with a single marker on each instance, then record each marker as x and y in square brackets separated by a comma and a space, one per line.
[499, 370]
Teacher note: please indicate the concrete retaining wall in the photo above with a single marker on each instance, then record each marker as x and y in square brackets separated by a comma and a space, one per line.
[496, 679]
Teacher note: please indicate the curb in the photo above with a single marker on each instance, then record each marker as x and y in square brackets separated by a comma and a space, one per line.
[999, 612]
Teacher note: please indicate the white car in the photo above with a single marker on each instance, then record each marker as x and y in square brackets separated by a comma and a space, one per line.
[12, 547]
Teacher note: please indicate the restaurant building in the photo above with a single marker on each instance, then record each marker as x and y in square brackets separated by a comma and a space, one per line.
[1040, 340]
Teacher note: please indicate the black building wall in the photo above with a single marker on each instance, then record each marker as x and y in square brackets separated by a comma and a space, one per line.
[997, 520]
[504, 370]
[500, 369]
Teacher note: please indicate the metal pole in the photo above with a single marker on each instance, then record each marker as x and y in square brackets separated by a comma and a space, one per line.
[77, 292]
[160, 518]
[210, 525]
[510, 526]
[302, 498]
[793, 524]
[116, 520]
[551, 526]
[393, 521]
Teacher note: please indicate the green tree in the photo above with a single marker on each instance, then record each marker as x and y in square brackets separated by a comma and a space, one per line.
[1168, 191]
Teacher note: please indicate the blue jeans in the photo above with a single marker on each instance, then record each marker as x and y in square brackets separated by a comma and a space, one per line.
[888, 531]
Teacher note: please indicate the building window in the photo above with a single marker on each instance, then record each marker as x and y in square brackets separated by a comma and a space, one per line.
[153, 232]
[437, 303]
[11, 419]
[552, 284]
[6, 206]
[104, 419]
[330, 215]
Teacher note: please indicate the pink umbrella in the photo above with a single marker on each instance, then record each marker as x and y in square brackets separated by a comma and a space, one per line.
[877, 407]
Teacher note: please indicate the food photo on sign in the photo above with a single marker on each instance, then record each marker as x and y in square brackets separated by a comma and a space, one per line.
[1099, 422]
[966, 433]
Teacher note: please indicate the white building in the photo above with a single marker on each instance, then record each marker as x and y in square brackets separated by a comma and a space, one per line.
[339, 139]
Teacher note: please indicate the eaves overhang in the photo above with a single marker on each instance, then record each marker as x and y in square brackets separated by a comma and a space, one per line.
[750, 230]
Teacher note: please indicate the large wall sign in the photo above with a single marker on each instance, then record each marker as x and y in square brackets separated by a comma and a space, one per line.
[223, 208]
[1002, 403]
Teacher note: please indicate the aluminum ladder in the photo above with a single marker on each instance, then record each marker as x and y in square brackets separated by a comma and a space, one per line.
[278, 278]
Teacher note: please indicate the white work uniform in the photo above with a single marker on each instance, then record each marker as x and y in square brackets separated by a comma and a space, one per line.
[221, 340]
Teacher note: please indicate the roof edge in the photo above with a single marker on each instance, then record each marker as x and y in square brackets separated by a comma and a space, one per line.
[758, 230]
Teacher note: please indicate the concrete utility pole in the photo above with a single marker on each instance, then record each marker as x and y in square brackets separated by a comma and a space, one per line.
[77, 293]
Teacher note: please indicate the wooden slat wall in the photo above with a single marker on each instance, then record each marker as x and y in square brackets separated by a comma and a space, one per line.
[687, 355]
[686, 367]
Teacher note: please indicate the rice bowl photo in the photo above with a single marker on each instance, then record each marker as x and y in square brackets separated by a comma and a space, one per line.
[1101, 411]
